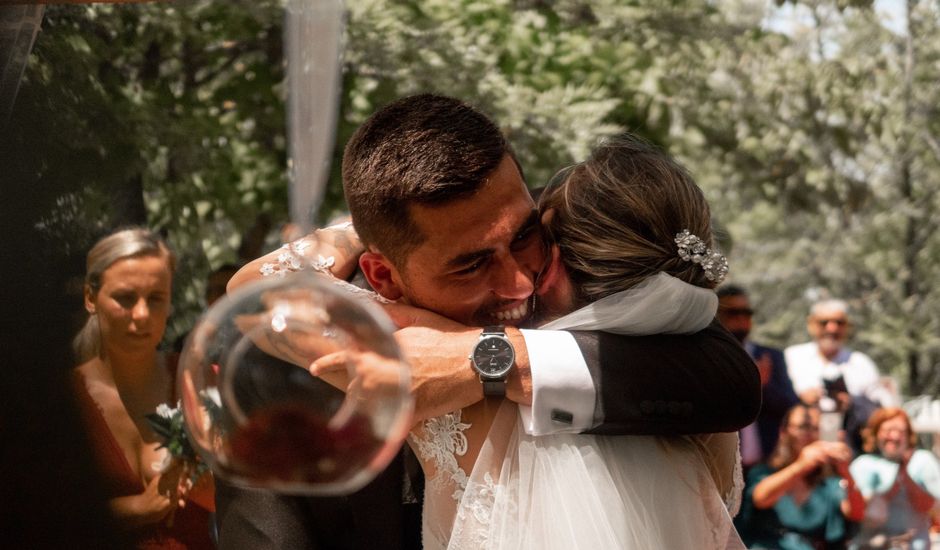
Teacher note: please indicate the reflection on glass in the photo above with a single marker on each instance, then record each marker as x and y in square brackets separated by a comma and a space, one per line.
[261, 420]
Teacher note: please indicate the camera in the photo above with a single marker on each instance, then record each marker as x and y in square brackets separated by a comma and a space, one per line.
[833, 386]
[830, 424]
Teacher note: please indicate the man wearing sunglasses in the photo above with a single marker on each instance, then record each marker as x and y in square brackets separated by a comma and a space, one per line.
[759, 438]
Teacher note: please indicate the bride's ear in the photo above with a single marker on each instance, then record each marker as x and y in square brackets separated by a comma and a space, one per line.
[546, 226]
[381, 274]
[547, 216]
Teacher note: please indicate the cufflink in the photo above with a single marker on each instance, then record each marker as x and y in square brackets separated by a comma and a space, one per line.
[660, 408]
[562, 417]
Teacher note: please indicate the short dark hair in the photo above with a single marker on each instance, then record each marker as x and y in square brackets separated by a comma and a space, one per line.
[424, 149]
[729, 290]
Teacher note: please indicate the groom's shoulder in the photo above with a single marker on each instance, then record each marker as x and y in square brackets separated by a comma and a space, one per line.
[712, 337]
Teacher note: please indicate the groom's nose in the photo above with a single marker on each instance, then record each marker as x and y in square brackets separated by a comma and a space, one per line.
[512, 280]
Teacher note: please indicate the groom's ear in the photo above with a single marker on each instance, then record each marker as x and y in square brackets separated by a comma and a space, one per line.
[381, 274]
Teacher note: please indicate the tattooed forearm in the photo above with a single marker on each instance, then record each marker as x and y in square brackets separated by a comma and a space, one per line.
[342, 242]
[348, 244]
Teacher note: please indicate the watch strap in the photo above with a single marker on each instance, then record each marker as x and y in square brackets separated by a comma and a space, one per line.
[494, 329]
[494, 388]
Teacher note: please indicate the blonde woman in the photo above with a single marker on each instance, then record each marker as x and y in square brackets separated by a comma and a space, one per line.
[121, 379]
[804, 496]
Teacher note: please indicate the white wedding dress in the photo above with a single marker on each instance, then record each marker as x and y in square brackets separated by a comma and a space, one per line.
[583, 491]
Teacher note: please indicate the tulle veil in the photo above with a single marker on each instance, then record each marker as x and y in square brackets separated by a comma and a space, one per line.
[626, 492]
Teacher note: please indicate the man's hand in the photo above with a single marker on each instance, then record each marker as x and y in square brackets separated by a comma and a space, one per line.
[811, 396]
[373, 376]
[441, 378]
[438, 350]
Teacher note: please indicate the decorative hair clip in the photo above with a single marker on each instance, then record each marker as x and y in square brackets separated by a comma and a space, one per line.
[692, 249]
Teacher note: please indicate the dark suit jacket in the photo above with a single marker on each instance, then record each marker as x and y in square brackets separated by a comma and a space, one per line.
[255, 518]
[778, 396]
[663, 384]
[671, 384]
[373, 517]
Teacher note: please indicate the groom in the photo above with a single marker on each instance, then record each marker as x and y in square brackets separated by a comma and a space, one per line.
[439, 201]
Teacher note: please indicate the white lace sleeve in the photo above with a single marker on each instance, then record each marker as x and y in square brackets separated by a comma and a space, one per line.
[438, 443]
[290, 259]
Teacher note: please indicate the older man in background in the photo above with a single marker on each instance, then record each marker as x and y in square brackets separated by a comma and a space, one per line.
[827, 372]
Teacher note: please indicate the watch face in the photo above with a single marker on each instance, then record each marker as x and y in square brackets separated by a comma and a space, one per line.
[493, 356]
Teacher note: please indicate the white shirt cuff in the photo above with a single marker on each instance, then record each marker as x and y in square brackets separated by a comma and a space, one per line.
[563, 392]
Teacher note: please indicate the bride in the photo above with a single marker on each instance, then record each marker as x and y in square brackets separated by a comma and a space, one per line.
[630, 238]
[629, 233]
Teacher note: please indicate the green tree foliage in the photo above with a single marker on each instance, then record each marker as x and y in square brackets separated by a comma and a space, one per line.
[817, 144]
[820, 155]
[167, 115]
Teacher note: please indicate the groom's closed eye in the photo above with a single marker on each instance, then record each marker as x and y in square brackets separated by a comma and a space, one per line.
[472, 268]
[470, 263]
[527, 232]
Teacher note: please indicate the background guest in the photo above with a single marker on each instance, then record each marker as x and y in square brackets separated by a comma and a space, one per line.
[215, 289]
[828, 373]
[758, 439]
[803, 497]
[121, 379]
[216, 281]
[899, 482]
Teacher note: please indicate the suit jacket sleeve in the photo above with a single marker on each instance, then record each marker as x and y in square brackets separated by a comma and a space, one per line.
[255, 518]
[778, 394]
[373, 517]
[670, 384]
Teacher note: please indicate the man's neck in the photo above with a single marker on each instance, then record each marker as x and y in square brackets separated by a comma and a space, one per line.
[830, 356]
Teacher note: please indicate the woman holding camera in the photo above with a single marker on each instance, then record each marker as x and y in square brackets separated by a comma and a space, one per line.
[804, 496]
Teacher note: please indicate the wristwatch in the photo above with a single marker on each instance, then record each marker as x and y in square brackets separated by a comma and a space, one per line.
[493, 357]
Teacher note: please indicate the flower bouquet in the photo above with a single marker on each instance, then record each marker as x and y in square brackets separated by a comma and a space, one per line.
[168, 423]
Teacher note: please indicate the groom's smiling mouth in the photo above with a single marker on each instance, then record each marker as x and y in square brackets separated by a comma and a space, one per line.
[515, 314]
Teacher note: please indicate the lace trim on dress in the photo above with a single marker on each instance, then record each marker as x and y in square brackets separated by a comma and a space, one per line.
[480, 500]
[443, 441]
[733, 498]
